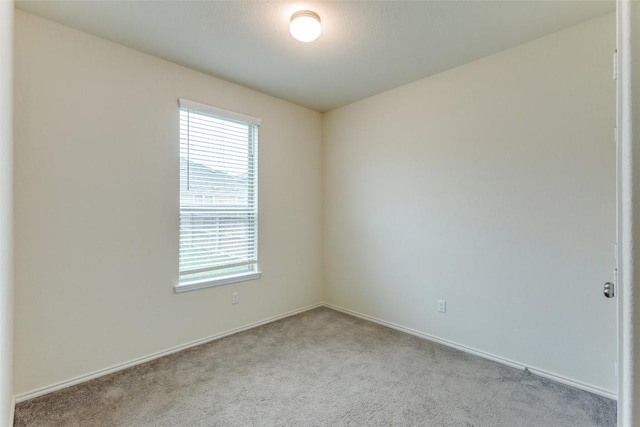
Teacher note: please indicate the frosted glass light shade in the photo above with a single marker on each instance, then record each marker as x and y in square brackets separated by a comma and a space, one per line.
[305, 26]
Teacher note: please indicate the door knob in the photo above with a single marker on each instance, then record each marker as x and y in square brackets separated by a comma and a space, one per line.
[609, 290]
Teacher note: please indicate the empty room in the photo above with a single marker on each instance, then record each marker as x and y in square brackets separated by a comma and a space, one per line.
[261, 213]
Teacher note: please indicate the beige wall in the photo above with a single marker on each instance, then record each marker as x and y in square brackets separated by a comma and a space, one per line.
[491, 186]
[635, 117]
[96, 207]
[6, 210]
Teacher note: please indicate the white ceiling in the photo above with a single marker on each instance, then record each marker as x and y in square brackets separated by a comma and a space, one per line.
[366, 47]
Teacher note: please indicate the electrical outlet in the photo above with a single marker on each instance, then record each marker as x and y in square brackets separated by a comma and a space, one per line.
[442, 306]
[235, 298]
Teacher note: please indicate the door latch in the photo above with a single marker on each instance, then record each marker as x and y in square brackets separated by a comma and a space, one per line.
[609, 290]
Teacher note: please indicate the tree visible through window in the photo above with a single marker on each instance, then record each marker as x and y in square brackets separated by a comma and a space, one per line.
[218, 195]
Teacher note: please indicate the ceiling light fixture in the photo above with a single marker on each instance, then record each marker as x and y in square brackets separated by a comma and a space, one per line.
[305, 26]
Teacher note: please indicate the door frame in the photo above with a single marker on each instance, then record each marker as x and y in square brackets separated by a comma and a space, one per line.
[628, 212]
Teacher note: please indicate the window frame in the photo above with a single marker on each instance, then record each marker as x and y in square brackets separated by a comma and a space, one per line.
[184, 285]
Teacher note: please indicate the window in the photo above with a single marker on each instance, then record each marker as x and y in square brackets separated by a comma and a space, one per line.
[218, 197]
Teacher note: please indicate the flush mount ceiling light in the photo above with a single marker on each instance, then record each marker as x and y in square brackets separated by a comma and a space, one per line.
[305, 26]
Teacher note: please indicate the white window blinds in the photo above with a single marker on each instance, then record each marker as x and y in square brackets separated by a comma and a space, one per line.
[218, 194]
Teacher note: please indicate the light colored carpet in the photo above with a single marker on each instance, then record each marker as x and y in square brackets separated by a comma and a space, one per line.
[319, 368]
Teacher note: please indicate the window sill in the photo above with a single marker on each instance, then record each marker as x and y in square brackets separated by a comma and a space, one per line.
[208, 283]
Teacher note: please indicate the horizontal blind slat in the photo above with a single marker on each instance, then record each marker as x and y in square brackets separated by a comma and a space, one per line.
[186, 104]
[201, 270]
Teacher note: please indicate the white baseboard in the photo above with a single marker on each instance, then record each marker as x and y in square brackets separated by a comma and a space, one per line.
[540, 372]
[82, 378]
[119, 367]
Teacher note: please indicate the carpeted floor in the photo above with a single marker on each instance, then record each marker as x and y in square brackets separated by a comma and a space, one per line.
[319, 368]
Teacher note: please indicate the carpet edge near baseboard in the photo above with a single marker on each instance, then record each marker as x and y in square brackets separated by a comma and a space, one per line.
[22, 397]
[125, 365]
[537, 371]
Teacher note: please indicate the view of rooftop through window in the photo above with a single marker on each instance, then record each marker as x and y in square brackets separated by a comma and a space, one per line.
[217, 151]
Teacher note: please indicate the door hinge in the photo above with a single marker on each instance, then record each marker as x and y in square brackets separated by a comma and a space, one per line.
[615, 64]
